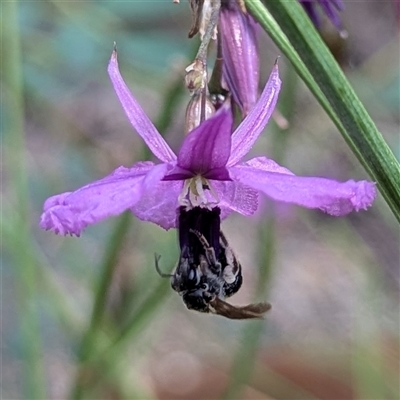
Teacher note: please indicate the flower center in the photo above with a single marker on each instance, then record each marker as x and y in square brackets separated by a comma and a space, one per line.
[198, 192]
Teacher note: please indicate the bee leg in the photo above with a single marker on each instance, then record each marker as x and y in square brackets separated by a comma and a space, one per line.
[156, 260]
[209, 252]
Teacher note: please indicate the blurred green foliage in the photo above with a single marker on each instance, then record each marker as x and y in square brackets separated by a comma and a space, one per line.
[333, 283]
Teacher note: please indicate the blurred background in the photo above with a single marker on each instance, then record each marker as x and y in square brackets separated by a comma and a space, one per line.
[333, 331]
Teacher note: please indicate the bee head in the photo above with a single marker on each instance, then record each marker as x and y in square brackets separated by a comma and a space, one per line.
[196, 288]
[198, 299]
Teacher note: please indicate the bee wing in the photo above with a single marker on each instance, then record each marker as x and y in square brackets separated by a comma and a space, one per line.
[251, 311]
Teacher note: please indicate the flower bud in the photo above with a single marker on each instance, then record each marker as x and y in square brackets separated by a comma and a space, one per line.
[193, 111]
[196, 76]
[240, 55]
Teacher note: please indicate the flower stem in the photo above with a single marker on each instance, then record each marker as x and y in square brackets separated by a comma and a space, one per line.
[212, 23]
[203, 51]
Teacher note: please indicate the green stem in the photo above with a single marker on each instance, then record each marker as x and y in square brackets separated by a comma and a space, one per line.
[244, 360]
[292, 31]
[115, 245]
[26, 288]
[139, 320]
[104, 362]
[89, 340]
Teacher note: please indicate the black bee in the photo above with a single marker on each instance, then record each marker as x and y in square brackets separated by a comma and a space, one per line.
[208, 270]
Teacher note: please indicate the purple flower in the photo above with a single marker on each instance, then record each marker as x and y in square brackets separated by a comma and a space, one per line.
[207, 172]
[330, 8]
[240, 55]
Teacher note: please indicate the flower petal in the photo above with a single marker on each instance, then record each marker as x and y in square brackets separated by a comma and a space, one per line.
[234, 196]
[71, 212]
[137, 117]
[240, 55]
[309, 7]
[208, 146]
[330, 7]
[266, 164]
[248, 131]
[179, 174]
[159, 203]
[335, 198]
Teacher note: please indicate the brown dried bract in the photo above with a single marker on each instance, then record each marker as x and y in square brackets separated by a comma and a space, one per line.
[197, 8]
[242, 6]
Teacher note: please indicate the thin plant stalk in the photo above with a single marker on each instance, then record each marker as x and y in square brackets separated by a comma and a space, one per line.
[24, 268]
[89, 341]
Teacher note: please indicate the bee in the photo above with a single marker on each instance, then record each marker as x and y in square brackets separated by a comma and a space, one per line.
[207, 274]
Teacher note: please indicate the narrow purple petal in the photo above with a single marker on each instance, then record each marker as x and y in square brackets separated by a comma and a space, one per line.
[240, 55]
[137, 117]
[330, 8]
[309, 7]
[335, 198]
[248, 131]
[71, 212]
[208, 146]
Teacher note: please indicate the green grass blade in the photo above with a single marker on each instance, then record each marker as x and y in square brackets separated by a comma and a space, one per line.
[89, 341]
[33, 379]
[293, 32]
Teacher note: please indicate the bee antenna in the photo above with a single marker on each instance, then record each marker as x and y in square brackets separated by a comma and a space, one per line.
[162, 274]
